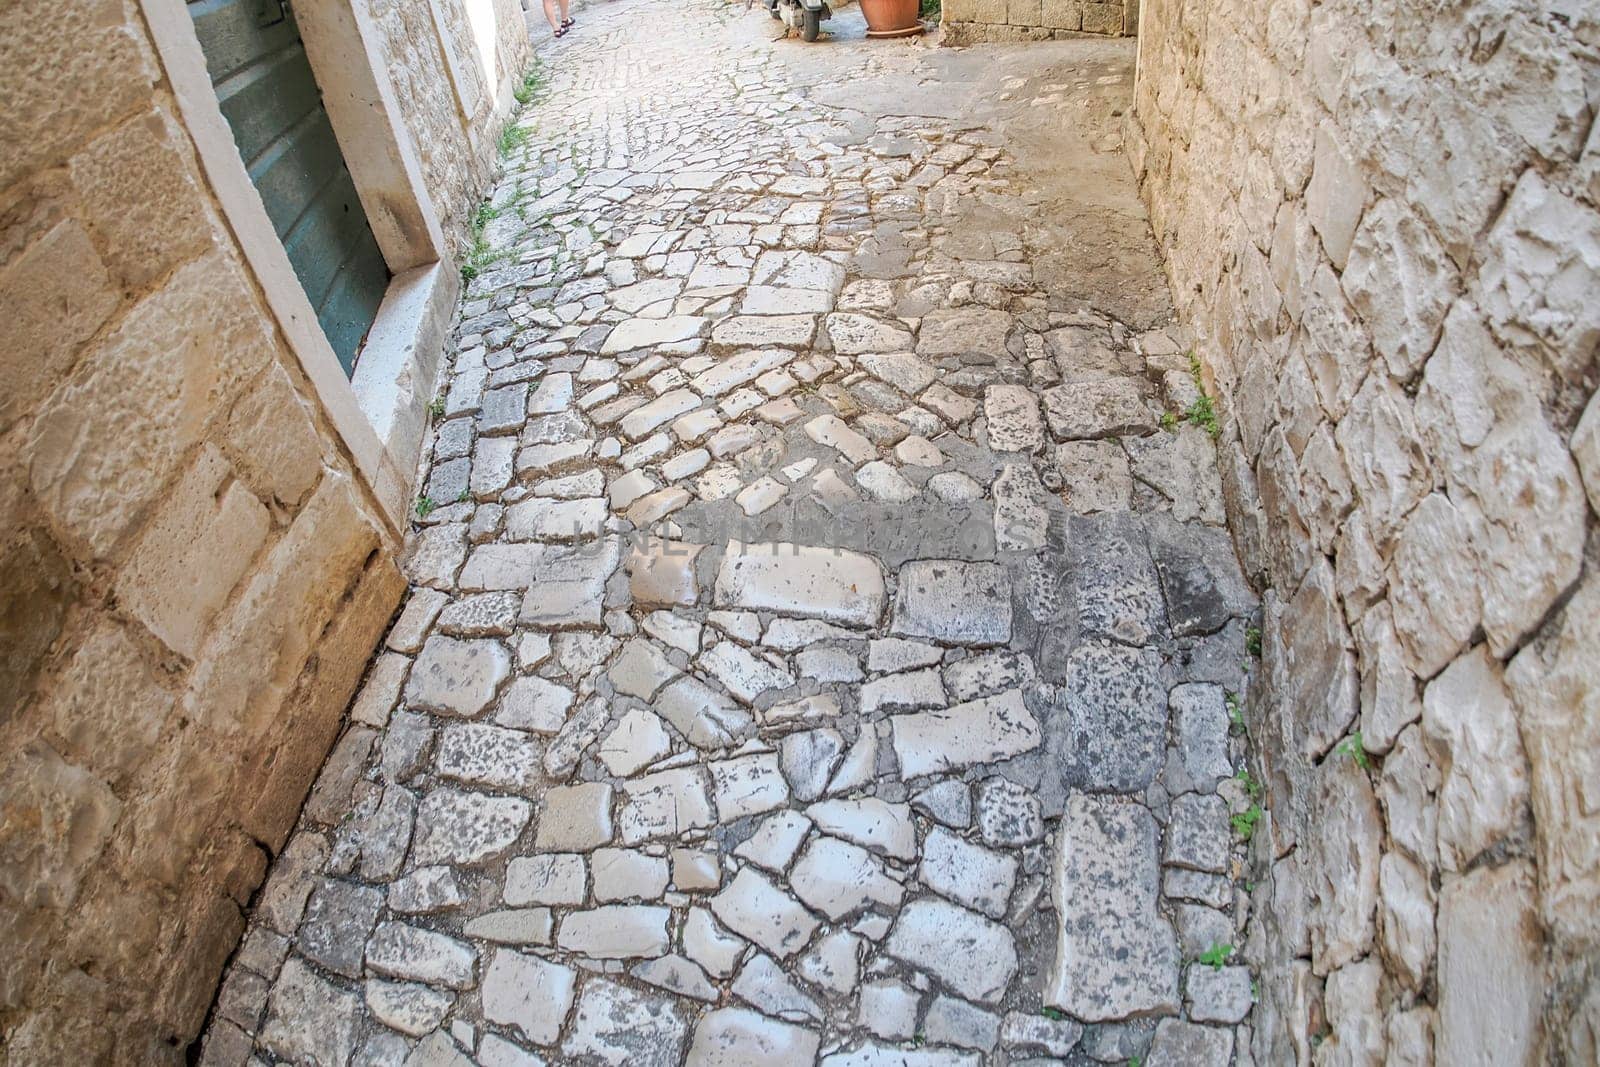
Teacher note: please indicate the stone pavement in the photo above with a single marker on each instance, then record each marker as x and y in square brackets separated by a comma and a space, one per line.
[819, 647]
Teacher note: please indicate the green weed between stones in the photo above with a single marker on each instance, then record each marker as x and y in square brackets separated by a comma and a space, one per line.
[1215, 956]
[1244, 823]
[1354, 747]
[1203, 412]
[425, 506]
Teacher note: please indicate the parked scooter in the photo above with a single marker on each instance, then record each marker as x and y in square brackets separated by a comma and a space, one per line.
[803, 15]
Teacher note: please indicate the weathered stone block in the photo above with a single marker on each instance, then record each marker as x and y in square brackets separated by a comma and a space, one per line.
[1018, 13]
[1557, 694]
[56, 294]
[140, 199]
[273, 443]
[1061, 14]
[67, 72]
[37, 589]
[147, 389]
[188, 561]
[1103, 18]
[1491, 967]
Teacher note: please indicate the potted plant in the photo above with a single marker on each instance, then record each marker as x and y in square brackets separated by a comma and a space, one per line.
[892, 18]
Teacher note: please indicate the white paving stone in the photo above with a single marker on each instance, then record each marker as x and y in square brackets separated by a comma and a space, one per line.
[973, 956]
[829, 584]
[968, 874]
[979, 731]
[754, 907]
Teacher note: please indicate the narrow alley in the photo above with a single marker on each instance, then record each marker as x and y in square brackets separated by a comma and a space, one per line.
[823, 636]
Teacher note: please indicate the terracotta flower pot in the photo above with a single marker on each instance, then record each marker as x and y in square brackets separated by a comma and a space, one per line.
[892, 18]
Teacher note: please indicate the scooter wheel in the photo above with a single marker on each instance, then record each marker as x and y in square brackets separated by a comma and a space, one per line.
[811, 26]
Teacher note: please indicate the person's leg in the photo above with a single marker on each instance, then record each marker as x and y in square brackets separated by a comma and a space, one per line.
[550, 13]
[565, 19]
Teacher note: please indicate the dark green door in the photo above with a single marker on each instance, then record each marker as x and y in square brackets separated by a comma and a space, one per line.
[270, 98]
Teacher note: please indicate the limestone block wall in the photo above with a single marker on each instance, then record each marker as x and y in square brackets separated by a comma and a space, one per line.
[436, 51]
[976, 21]
[1382, 222]
[192, 570]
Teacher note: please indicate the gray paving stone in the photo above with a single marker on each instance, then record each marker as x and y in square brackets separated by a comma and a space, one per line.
[948, 802]
[619, 1027]
[575, 818]
[616, 931]
[951, 1021]
[809, 759]
[665, 804]
[455, 677]
[1039, 1034]
[1198, 833]
[426, 890]
[1217, 994]
[515, 926]
[834, 963]
[490, 756]
[709, 945]
[1178, 1042]
[309, 1018]
[748, 785]
[398, 950]
[1200, 717]
[883, 827]
[776, 840]
[830, 584]
[1008, 815]
[763, 984]
[1116, 956]
[953, 602]
[676, 975]
[968, 874]
[1115, 729]
[408, 1007]
[706, 718]
[466, 829]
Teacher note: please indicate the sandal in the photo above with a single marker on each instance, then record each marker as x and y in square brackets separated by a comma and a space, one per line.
[567, 24]
[560, 32]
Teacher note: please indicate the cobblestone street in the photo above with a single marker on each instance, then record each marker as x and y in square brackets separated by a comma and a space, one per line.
[823, 635]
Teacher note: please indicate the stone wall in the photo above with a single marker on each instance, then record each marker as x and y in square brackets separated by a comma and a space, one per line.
[451, 108]
[192, 571]
[1382, 222]
[975, 21]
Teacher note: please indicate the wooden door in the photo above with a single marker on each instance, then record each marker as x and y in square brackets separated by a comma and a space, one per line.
[270, 98]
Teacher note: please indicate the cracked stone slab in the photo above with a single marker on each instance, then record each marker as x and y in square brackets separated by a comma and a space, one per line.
[980, 731]
[839, 879]
[972, 955]
[754, 907]
[1116, 955]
